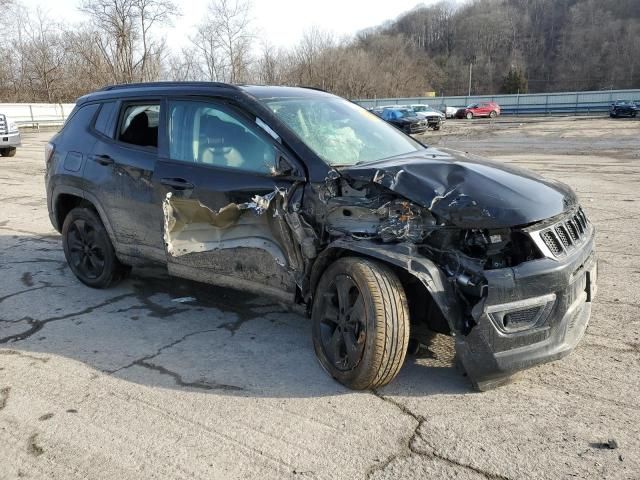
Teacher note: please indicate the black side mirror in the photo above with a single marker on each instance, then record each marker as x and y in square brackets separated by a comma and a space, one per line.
[286, 169]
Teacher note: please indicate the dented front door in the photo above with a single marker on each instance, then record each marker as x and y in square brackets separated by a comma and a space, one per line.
[220, 201]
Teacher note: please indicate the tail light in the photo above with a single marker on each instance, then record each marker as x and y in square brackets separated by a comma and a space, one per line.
[49, 148]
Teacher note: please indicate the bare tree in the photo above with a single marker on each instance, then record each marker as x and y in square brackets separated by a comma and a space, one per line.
[207, 45]
[44, 56]
[224, 40]
[184, 66]
[123, 35]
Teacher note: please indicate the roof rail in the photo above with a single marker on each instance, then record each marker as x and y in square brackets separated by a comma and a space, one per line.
[168, 84]
[312, 88]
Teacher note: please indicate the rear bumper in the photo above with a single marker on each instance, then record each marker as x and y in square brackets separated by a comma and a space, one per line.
[563, 290]
[10, 140]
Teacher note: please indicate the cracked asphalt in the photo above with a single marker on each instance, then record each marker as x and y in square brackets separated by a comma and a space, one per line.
[127, 383]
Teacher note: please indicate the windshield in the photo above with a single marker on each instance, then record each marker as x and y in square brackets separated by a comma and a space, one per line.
[405, 112]
[419, 108]
[340, 132]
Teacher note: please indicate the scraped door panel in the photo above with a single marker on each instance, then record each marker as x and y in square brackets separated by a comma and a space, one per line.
[214, 230]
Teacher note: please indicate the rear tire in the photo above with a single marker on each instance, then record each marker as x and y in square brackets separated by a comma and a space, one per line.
[89, 251]
[360, 323]
[8, 152]
[469, 115]
[493, 114]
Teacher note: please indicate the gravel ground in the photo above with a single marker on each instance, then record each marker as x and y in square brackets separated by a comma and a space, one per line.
[127, 383]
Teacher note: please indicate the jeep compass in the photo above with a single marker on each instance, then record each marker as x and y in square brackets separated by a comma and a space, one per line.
[304, 196]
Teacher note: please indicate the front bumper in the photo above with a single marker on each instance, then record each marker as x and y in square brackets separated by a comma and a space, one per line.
[418, 127]
[10, 140]
[434, 122]
[490, 354]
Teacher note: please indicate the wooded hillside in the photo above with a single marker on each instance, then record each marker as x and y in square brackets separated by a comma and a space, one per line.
[513, 45]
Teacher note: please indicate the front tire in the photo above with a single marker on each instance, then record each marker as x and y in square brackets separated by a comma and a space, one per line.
[8, 152]
[493, 114]
[360, 323]
[469, 115]
[89, 251]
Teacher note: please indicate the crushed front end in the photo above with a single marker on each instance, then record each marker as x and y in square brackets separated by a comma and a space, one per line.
[513, 278]
[532, 312]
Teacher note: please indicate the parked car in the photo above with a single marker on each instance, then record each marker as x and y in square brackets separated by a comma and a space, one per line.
[433, 117]
[405, 119]
[485, 109]
[9, 136]
[623, 108]
[306, 197]
[449, 111]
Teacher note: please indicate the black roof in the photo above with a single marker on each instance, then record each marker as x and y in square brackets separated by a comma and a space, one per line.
[123, 86]
[257, 91]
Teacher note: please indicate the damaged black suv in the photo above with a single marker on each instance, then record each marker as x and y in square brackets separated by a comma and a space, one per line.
[307, 197]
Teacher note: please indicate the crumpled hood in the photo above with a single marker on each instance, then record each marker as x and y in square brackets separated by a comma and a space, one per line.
[466, 190]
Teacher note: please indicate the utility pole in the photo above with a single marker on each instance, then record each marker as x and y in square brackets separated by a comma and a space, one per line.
[470, 68]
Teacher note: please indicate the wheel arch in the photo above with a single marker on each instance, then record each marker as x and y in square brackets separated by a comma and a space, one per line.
[66, 198]
[430, 296]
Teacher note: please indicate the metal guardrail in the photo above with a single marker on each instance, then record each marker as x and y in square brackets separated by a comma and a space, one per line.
[571, 103]
[568, 103]
[37, 114]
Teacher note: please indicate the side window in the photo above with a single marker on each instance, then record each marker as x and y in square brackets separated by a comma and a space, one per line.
[212, 134]
[81, 117]
[139, 124]
[104, 122]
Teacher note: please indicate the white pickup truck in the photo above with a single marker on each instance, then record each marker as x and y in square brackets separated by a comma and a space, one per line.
[9, 136]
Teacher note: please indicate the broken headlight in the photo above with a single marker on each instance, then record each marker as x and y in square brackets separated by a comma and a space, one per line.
[498, 248]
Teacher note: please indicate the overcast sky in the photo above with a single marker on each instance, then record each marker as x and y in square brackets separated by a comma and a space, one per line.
[281, 22]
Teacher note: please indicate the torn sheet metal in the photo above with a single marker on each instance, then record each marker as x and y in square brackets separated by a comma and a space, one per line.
[465, 191]
[191, 227]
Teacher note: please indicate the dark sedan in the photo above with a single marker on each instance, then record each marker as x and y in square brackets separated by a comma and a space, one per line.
[404, 118]
[623, 108]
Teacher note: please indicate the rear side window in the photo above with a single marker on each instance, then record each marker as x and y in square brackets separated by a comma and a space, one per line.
[81, 117]
[139, 124]
[104, 122]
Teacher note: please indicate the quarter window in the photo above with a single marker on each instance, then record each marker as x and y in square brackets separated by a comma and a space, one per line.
[103, 122]
[139, 125]
[211, 134]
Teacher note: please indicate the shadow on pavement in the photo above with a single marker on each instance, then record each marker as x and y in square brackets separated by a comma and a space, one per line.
[162, 331]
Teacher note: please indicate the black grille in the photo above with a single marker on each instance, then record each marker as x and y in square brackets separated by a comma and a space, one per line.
[566, 234]
[4, 128]
[521, 318]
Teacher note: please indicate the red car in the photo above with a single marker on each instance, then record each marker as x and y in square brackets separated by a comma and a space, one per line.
[485, 109]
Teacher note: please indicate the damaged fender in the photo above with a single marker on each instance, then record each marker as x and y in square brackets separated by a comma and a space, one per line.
[405, 256]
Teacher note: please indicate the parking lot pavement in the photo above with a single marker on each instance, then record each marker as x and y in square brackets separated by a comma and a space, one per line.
[130, 383]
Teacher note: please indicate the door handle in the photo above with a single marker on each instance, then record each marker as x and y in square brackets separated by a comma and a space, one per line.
[177, 183]
[103, 159]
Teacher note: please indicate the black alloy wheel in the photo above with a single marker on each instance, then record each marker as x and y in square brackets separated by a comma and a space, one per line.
[360, 321]
[86, 252]
[343, 328]
[89, 251]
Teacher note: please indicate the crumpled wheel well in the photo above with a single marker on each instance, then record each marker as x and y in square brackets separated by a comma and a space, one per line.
[423, 310]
